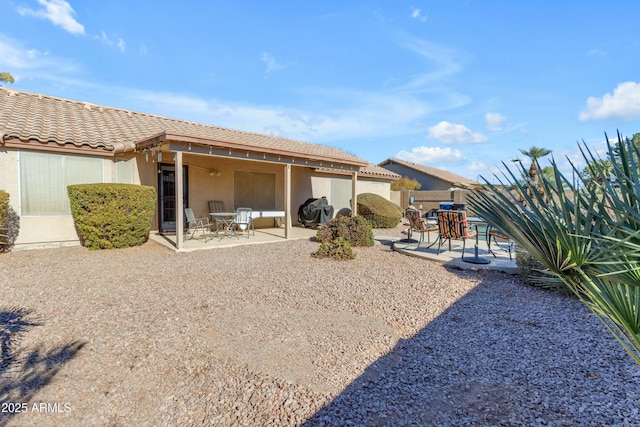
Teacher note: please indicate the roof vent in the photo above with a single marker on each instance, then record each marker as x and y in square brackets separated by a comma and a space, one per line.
[87, 106]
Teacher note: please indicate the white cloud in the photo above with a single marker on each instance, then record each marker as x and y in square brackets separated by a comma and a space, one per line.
[59, 12]
[495, 121]
[623, 104]
[417, 14]
[451, 133]
[25, 62]
[270, 61]
[112, 41]
[432, 155]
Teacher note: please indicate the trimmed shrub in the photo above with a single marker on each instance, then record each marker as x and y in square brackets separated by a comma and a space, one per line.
[356, 231]
[112, 215]
[379, 211]
[4, 215]
[9, 223]
[4, 208]
[338, 249]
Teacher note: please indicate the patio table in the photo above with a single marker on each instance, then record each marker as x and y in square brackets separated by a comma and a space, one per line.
[225, 223]
[476, 221]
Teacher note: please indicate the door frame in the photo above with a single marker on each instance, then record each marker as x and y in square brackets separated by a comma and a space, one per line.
[166, 197]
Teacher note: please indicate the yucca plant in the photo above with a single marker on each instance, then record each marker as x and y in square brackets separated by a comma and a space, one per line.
[586, 235]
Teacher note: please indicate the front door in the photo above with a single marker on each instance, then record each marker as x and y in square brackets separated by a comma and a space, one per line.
[167, 196]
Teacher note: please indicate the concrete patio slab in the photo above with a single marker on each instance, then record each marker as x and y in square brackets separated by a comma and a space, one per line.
[262, 235]
[453, 257]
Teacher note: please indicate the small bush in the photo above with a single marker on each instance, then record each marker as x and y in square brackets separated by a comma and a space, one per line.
[112, 215]
[379, 211]
[338, 249]
[356, 231]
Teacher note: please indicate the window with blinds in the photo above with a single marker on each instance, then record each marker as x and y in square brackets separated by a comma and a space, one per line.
[44, 178]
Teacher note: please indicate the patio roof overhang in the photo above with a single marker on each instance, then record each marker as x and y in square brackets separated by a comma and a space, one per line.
[313, 158]
[244, 151]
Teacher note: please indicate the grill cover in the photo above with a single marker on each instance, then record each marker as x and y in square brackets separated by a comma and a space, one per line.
[314, 212]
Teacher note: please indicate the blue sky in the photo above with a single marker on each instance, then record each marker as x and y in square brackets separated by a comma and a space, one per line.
[457, 85]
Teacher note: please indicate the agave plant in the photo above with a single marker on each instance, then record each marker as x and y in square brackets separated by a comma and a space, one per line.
[586, 235]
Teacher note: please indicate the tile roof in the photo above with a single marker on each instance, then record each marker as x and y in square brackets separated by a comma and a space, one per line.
[444, 175]
[370, 170]
[378, 171]
[64, 123]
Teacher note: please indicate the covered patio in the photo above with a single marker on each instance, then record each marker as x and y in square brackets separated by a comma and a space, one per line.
[234, 161]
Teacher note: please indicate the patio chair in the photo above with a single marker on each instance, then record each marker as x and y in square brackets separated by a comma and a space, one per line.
[498, 237]
[244, 220]
[418, 225]
[453, 225]
[216, 206]
[194, 224]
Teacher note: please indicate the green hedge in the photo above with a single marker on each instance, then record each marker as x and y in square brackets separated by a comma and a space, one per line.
[379, 211]
[4, 215]
[112, 215]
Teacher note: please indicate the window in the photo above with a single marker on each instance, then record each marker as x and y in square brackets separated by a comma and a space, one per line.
[44, 178]
[254, 190]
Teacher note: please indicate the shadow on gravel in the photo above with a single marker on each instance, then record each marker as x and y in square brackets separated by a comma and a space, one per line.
[503, 354]
[23, 372]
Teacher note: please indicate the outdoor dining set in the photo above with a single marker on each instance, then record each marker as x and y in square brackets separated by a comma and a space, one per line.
[451, 222]
[220, 223]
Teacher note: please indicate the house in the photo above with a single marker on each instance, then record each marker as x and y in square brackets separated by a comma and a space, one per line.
[47, 143]
[428, 177]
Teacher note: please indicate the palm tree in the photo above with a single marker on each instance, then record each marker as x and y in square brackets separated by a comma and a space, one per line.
[534, 154]
[585, 235]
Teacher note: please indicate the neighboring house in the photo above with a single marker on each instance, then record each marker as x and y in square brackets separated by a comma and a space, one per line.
[428, 177]
[47, 143]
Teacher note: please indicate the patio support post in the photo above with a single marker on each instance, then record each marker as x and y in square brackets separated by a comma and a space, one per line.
[354, 194]
[179, 201]
[287, 200]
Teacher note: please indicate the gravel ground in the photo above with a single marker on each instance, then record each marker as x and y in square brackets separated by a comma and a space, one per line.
[267, 335]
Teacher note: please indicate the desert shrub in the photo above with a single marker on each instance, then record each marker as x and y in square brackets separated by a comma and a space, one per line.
[112, 215]
[379, 211]
[356, 231]
[338, 249]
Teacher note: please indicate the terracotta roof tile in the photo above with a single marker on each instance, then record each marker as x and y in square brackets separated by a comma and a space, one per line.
[47, 119]
[370, 170]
